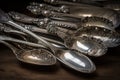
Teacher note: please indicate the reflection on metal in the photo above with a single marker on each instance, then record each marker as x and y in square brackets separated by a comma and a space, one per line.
[75, 60]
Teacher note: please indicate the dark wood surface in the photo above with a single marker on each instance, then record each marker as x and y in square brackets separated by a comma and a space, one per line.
[108, 68]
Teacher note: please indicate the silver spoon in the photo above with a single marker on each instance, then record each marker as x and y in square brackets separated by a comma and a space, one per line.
[108, 37]
[6, 38]
[19, 41]
[35, 56]
[76, 21]
[62, 8]
[88, 46]
[77, 12]
[7, 29]
[4, 18]
[23, 35]
[43, 21]
[72, 59]
[88, 21]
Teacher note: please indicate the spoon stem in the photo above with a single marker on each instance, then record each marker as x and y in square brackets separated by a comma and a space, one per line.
[41, 41]
[4, 38]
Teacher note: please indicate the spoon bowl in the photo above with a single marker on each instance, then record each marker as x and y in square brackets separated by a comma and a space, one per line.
[75, 60]
[49, 46]
[35, 56]
[78, 11]
[91, 47]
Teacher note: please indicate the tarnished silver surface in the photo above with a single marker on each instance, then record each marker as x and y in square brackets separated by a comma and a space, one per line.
[97, 21]
[86, 45]
[4, 18]
[32, 28]
[88, 21]
[6, 38]
[85, 27]
[44, 21]
[87, 65]
[109, 38]
[49, 7]
[35, 56]
[80, 12]
[63, 33]
[6, 29]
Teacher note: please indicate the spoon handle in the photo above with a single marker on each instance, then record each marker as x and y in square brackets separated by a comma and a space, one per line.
[22, 17]
[43, 22]
[80, 12]
[63, 9]
[41, 41]
[33, 29]
[6, 19]
[4, 28]
[50, 29]
[53, 15]
[5, 38]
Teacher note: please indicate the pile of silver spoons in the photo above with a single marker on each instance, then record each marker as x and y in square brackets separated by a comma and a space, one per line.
[65, 30]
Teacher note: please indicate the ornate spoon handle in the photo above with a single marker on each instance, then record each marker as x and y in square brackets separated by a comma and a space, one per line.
[50, 28]
[62, 8]
[5, 38]
[43, 22]
[82, 11]
[4, 28]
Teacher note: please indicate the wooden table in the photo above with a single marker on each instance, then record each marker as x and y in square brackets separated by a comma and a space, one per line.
[108, 68]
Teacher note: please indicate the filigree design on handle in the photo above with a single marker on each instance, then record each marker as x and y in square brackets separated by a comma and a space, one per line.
[34, 10]
[22, 17]
[4, 28]
[61, 32]
[77, 10]
[47, 13]
[42, 22]
[52, 1]
[27, 19]
[65, 24]
[38, 6]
